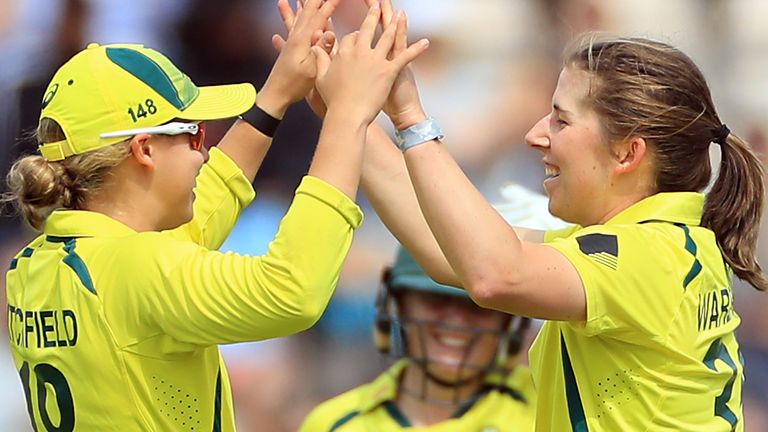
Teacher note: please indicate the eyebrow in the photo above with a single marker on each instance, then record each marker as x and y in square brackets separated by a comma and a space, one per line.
[559, 108]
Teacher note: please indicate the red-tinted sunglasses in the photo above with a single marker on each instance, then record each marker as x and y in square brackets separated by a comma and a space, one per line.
[196, 132]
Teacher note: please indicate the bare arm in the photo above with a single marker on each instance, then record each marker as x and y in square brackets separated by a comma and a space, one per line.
[500, 267]
[386, 183]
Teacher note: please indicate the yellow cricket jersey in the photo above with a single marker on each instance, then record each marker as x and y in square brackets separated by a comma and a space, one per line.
[657, 351]
[500, 407]
[114, 330]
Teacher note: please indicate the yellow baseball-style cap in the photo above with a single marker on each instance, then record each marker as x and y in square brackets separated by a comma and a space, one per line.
[126, 86]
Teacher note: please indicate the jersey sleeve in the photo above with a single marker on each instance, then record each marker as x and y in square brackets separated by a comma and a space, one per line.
[630, 279]
[197, 296]
[222, 192]
[551, 235]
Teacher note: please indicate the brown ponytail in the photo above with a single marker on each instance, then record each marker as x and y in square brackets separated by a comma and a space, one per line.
[734, 208]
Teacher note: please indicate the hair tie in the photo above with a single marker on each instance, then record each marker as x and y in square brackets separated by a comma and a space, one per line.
[722, 134]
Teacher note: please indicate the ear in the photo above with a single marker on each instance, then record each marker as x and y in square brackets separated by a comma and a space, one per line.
[630, 155]
[142, 151]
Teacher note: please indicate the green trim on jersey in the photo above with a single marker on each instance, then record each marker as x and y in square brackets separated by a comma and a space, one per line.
[26, 253]
[690, 246]
[396, 414]
[575, 408]
[657, 320]
[343, 420]
[217, 405]
[499, 407]
[76, 263]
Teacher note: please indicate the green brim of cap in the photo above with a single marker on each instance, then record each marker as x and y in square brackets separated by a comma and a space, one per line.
[221, 101]
[422, 283]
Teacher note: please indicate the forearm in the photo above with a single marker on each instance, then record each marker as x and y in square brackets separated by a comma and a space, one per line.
[309, 251]
[339, 154]
[207, 297]
[247, 146]
[386, 183]
[478, 243]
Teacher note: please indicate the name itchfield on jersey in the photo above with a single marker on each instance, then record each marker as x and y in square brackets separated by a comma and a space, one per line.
[715, 309]
[42, 328]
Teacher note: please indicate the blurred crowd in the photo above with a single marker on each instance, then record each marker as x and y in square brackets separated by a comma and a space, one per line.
[487, 76]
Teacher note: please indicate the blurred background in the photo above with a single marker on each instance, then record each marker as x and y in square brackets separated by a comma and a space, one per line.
[488, 76]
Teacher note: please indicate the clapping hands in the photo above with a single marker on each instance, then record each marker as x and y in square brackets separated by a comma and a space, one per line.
[358, 78]
[357, 75]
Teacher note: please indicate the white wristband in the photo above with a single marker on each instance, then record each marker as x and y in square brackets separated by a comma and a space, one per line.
[419, 133]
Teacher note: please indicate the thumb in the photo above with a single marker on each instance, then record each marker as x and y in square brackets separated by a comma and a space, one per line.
[327, 42]
[278, 42]
[322, 59]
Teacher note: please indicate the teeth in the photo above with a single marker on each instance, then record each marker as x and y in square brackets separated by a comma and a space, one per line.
[551, 172]
[453, 342]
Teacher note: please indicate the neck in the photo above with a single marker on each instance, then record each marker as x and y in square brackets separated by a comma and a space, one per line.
[622, 203]
[128, 204]
[425, 402]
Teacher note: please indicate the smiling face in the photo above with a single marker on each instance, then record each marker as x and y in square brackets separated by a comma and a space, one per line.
[577, 160]
[458, 338]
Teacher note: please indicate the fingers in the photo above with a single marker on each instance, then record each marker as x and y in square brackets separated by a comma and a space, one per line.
[278, 42]
[312, 15]
[328, 7]
[286, 13]
[401, 37]
[387, 13]
[327, 42]
[368, 28]
[349, 41]
[316, 36]
[387, 39]
[322, 60]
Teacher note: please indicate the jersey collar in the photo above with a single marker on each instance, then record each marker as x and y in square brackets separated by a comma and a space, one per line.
[676, 207]
[383, 388]
[82, 223]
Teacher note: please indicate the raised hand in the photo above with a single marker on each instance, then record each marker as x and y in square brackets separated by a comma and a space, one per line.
[294, 72]
[325, 39]
[359, 77]
[403, 105]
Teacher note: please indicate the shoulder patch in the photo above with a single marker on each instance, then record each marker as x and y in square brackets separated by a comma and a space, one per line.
[603, 248]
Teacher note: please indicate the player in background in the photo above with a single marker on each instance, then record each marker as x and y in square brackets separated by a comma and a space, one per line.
[116, 309]
[458, 367]
[641, 330]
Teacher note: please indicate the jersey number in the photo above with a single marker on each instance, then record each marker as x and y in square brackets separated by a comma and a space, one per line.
[718, 351]
[47, 375]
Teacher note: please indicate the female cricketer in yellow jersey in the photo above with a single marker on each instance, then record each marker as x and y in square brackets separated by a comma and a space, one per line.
[116, 310]
[638, 295]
